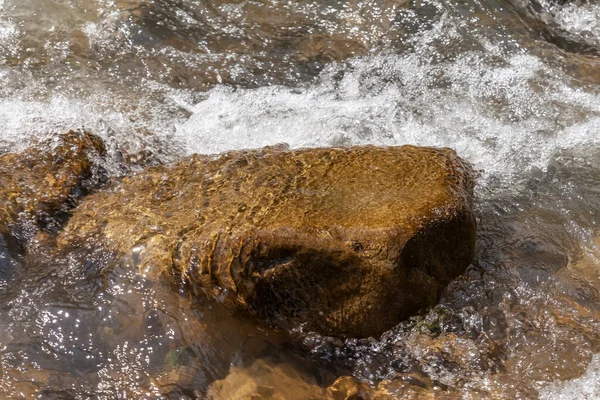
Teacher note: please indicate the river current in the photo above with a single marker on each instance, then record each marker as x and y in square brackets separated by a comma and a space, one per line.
[512, 85]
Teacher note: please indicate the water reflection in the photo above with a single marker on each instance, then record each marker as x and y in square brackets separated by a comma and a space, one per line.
[117, 336]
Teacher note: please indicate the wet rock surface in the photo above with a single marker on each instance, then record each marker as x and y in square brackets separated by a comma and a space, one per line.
[342, 241]
[282, 214]
[43, 182]
[266, 379]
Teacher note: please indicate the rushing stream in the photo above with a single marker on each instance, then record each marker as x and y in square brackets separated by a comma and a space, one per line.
[512, 85]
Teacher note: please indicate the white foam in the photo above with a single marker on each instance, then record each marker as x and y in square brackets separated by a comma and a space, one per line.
[21, 119]
[8, 30]
[145, 126]
[9, 35]
[503, 118]
[586, 387]
[582, 20]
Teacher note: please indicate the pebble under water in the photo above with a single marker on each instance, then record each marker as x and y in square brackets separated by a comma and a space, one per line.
[512, 85]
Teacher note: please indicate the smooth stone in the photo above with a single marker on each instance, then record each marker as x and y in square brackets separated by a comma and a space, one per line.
[343, 241]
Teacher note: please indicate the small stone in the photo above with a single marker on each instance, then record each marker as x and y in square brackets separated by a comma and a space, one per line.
[45, 179]
[265, 379]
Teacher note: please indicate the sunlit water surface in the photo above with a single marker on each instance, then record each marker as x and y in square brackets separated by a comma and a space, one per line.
[513, 86]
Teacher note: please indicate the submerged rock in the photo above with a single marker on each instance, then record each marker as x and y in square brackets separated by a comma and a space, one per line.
[403, 386]
[346, 242]
[42, 181]
[266, 379]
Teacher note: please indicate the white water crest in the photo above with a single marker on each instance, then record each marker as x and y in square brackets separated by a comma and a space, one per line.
[585, 387]
[503, 117]
[581, 19]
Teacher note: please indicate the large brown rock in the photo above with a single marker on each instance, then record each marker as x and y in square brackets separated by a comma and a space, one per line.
[44, 180]
[346, 242]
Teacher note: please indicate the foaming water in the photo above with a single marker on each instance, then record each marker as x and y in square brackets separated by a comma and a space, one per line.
[585, 387]
[581, 20]
[512, 86]
[485, 111]
[578, 19]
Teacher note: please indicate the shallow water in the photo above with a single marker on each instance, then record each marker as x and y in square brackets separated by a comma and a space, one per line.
[513, 86]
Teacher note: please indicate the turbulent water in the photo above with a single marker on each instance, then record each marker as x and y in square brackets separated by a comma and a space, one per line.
[512, 85]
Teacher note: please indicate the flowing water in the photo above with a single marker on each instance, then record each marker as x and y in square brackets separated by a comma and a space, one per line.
[512, 85]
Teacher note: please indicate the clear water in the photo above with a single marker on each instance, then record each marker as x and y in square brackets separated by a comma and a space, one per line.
[513, 86]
